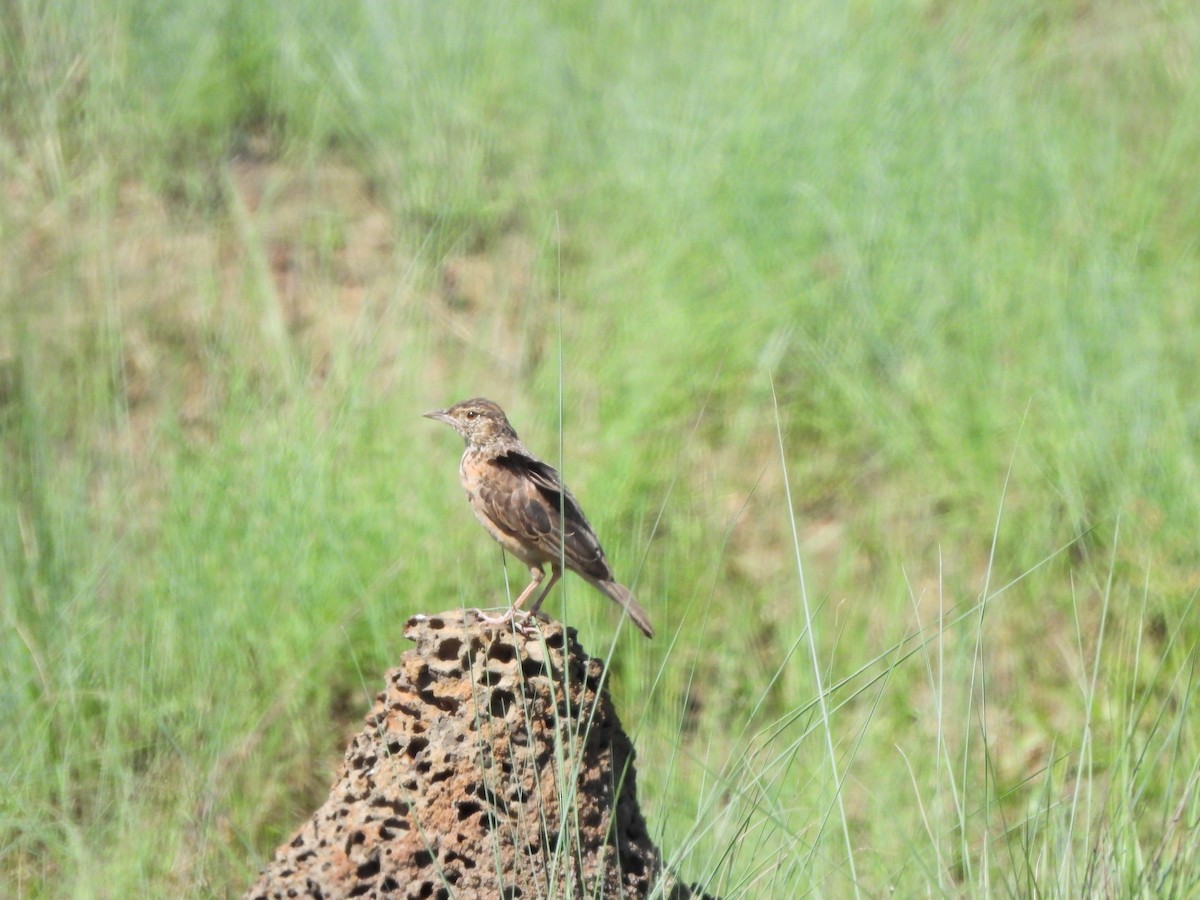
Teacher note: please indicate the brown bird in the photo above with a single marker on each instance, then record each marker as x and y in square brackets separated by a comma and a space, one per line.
[524, 505]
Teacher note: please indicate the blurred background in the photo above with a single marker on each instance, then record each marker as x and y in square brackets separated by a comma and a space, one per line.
[882, 315]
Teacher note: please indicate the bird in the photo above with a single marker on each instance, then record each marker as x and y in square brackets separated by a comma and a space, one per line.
[523, 503]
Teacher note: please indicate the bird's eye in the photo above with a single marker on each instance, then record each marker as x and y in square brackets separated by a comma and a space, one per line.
[471, 413]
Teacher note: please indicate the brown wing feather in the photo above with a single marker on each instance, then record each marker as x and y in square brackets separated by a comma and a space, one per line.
[535, 508]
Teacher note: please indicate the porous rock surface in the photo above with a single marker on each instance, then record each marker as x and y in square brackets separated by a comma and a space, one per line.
[492, 765]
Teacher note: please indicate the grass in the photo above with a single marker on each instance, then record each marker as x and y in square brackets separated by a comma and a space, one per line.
[244, 246]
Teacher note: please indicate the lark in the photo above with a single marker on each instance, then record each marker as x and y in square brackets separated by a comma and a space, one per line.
[523, 504]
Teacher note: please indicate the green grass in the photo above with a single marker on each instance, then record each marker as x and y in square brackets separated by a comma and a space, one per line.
[948, 250]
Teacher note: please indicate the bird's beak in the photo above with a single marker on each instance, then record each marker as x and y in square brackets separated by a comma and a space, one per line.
[440, 415]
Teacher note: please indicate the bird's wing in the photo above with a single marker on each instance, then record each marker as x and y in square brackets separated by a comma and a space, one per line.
[538, 508]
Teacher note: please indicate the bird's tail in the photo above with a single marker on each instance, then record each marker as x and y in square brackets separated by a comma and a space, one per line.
[624, 597]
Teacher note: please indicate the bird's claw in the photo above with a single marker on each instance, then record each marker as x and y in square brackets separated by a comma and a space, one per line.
[519, 618]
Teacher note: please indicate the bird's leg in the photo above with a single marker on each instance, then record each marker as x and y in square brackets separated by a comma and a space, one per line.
[523, 625]
[538, 574]
[555, 574]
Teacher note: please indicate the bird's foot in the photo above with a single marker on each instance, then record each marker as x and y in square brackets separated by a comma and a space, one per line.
[503, 619]
[519, 618]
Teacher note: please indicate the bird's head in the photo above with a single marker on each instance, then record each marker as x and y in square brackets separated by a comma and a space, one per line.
[479, 421]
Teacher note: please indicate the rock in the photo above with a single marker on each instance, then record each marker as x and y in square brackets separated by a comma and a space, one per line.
[492, 765]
